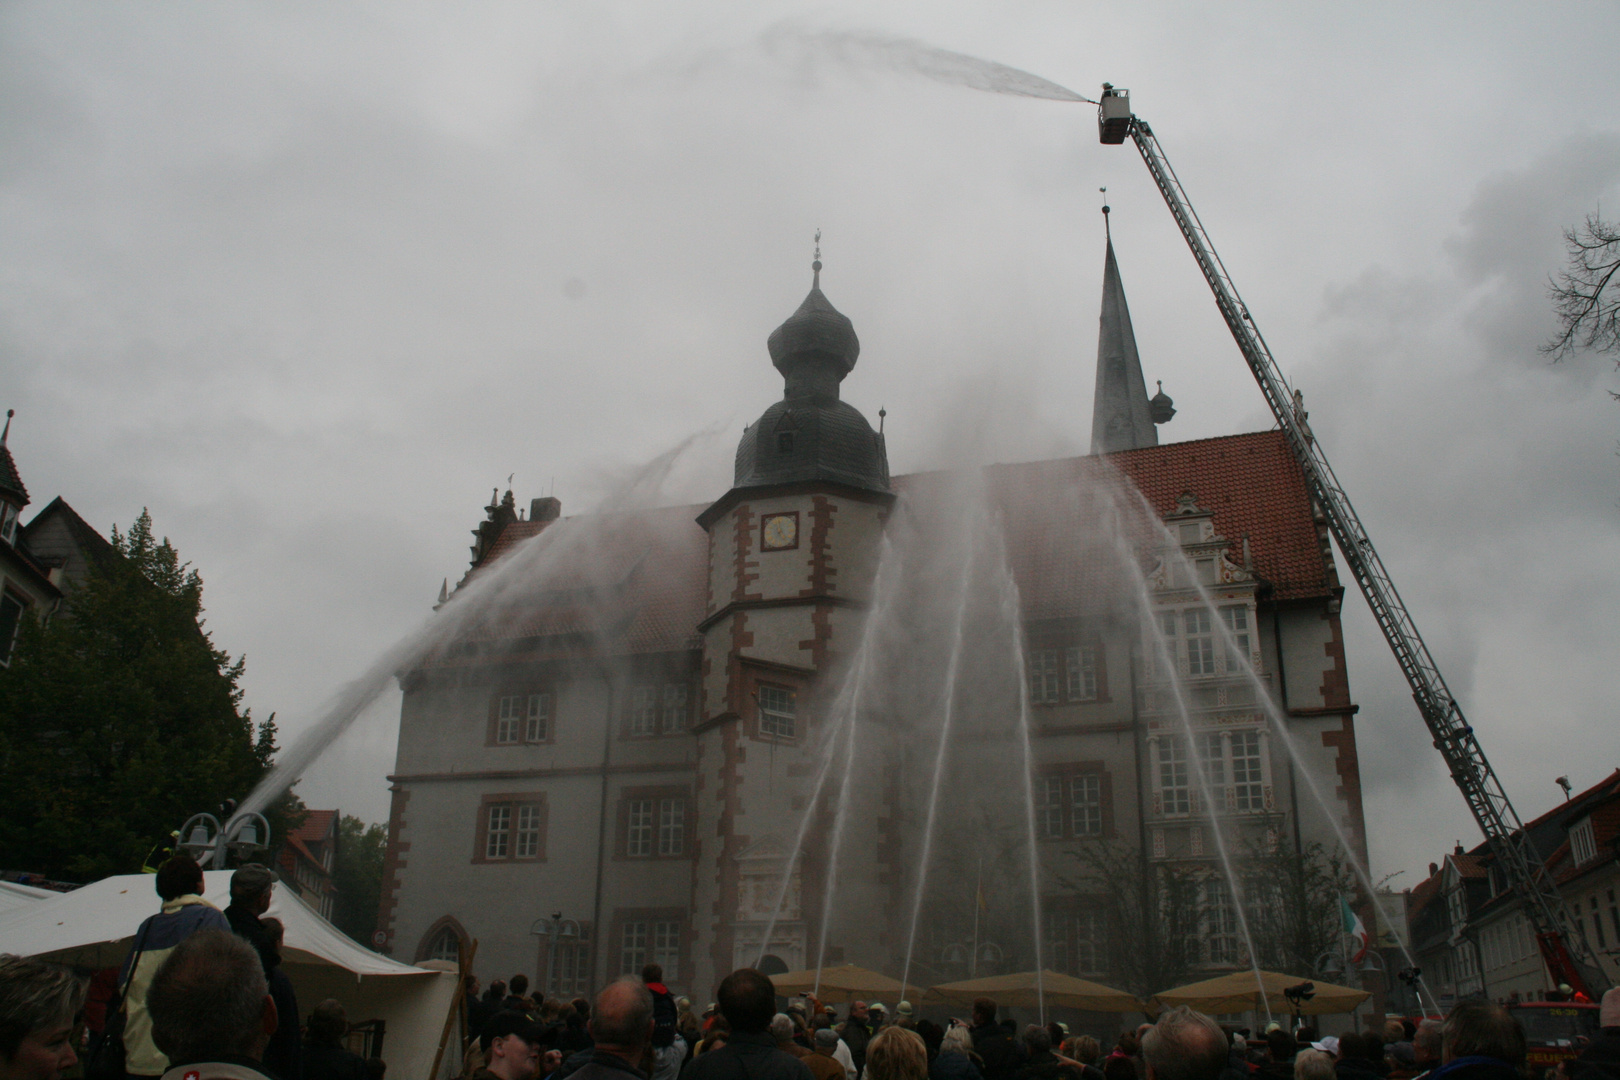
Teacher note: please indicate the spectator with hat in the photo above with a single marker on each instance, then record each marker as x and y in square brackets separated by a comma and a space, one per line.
[511, 1045]
[251, 888]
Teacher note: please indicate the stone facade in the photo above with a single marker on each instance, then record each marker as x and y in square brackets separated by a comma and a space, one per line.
[581, 811]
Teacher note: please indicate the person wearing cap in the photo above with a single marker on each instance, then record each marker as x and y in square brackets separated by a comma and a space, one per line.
[879, 1017]
[1402, 1061]
[1601, 1060]
[179, 886]
[905, 1016]
[511, 1046]
[821, 1066]
[251, 887]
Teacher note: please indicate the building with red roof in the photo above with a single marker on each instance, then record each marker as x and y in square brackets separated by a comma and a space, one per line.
[1470, 933]
[619, 751]
[307, 860]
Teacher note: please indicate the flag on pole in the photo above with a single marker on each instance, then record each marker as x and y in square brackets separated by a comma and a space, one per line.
[1353, 926]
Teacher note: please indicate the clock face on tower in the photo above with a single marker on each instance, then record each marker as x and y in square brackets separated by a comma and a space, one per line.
[778, 532]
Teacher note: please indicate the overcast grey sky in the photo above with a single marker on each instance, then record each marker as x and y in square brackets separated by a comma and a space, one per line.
[309, 279]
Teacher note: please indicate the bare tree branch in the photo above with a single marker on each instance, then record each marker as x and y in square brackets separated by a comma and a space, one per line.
[1586, 294]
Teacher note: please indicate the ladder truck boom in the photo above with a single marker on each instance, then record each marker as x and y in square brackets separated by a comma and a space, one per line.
[1560, 935]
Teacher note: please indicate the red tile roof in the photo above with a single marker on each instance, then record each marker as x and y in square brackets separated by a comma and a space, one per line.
[641, 579]
[317, 823]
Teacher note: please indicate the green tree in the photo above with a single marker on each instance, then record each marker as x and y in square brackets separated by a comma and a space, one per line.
[1151, 910]
[357, 874]
[119, 718]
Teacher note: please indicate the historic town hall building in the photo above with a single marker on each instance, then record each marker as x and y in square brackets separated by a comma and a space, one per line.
[580, 810]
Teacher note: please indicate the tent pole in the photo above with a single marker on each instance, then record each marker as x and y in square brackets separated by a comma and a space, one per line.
[464, 961]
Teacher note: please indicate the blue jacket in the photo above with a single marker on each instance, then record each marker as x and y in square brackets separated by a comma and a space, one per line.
[154, 941]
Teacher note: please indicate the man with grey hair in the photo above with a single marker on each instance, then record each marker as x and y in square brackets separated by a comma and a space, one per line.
[38, 1004]
[1184, 1045]
[622, 1025]
[1426, 1046]
[212, 1013]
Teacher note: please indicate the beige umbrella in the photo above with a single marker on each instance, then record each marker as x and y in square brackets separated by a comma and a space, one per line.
[1023, 990]
[1237, 992]
[844, 983]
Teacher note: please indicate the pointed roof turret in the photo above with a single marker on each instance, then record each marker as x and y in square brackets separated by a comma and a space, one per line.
[11, 485]
[1121, 416]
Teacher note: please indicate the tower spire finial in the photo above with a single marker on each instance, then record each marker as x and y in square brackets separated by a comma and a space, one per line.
[815, 267]
[6, 434]
[1106, 230]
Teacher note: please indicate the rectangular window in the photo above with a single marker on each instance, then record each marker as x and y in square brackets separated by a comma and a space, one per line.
[497, 842]
[1236, 618]
[528, 831]
[1049, 807]
[1085, 804]
[508, 719]
[1597, 923]
[633, 948]
[1199, 641]
[674, 708]
[1582, 847]
[1090, 956]
[513, 830]
[1173, 789]
[671, 827]
[538, 727]
[1043, 676]
[666, 948]
[1217, 927]
[1247, 786]
[638, 839]
[1164, 651]
[776, 712]
[643, 710]
[1082, 672]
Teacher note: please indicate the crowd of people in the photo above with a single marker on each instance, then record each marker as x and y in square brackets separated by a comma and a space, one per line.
[202, 996]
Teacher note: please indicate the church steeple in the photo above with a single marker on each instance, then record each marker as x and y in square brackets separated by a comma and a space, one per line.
[1121, 416]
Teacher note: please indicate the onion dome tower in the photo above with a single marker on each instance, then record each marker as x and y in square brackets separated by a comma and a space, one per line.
[811, 434]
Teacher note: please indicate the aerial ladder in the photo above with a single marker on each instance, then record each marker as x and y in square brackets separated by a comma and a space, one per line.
[1559, 933]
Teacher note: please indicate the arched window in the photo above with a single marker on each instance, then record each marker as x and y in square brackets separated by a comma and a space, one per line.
[446, 945]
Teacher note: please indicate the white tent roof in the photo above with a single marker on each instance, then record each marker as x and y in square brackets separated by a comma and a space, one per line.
[95, 925]
[13, 896]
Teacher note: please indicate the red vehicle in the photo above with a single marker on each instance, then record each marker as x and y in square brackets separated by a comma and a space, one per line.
[1555, 1030]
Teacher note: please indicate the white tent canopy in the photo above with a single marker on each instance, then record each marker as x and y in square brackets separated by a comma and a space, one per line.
[95, 926]
[13, 896]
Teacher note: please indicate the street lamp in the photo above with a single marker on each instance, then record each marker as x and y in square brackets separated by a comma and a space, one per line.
[207, 841]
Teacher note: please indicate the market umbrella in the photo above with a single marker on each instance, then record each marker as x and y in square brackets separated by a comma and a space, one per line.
[1237, 992]
[1023, 990]
[844, 983]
